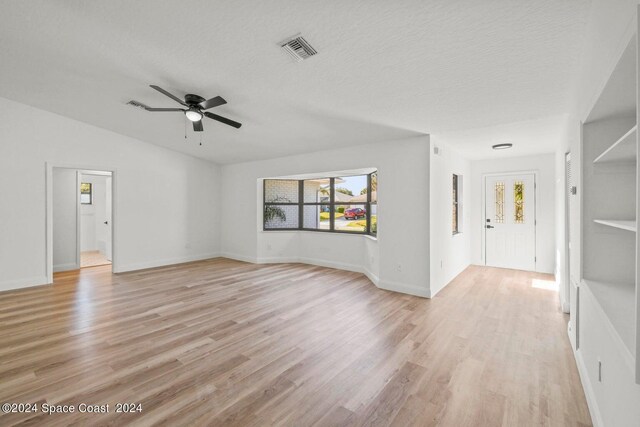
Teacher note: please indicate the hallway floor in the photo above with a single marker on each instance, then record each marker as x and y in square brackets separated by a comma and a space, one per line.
[93, 259]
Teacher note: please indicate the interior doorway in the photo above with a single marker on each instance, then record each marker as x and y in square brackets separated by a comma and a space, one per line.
[95, 218]
[80, 218]
[509, 221]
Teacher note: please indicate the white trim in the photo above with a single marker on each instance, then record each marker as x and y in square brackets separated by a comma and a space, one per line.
[405, 288]
[332, 264]
[8, 285]
[483, 205]
[563, 269]
[165, 262]
[49, 166]
[78, 219]
[238, 257]
[596, 417]
[374, 278]
[381, 284]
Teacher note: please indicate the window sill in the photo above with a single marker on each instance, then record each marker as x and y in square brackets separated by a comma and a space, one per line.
[368, 236]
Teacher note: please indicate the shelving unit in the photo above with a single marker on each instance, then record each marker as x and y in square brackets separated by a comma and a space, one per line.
[609, 238]
[617, 301]
[629, 225]
[623, 150]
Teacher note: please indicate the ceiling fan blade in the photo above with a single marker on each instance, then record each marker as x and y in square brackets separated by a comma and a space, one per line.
[164, 109]
[197, 126]
[213, 102]
[164, 92]
[223, 120]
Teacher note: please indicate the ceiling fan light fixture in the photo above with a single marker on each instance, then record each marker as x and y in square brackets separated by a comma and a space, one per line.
[193, 114]
[502, 146]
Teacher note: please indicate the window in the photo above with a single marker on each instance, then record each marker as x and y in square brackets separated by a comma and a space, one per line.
[373, 203]
[457, 205]
[281, 204]
[346, 204]
[86, 193]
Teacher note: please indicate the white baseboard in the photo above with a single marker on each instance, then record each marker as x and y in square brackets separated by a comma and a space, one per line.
[596, 418]
[237, 257]
[404, 288]
[564, 304]
[433, 293]
[7, 285]
[386, 285]
[332, 264]
[275, 260]
[164, 262]
[373, 277]
[65, 267]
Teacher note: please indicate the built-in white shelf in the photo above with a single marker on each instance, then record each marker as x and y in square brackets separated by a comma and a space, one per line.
[623, 150]
[623, 225]
[618, 302]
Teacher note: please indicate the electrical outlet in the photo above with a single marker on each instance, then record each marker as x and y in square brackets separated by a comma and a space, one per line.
[399, 268]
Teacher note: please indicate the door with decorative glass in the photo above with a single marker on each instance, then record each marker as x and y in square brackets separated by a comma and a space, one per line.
[509, 221]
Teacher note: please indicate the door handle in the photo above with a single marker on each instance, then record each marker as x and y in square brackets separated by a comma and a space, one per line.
[489, 226]
[106, 223]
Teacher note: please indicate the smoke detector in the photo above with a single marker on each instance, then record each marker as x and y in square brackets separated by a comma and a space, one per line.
[298, 48]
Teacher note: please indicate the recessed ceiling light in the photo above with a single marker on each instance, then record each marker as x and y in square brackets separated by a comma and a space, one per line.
[502, 146]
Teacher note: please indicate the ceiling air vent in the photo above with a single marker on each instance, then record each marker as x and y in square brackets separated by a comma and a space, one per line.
[298, 48]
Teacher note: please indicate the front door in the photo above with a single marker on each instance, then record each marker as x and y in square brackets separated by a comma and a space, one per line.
[509, 221]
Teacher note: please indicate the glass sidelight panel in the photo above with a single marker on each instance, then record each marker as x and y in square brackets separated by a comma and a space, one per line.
[499, 192]
[518, 202]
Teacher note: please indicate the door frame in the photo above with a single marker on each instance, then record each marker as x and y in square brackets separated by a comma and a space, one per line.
[483, 213]
[49, 166]
[93, 172]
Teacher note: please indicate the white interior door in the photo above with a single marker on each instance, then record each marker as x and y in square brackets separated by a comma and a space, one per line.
[107, 224]
[510, 221]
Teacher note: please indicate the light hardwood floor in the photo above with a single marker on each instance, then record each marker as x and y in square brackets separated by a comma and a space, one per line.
[222, 342]
[92, 259]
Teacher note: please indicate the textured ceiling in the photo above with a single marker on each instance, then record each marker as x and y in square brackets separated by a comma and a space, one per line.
[385, 70]
[528, 138]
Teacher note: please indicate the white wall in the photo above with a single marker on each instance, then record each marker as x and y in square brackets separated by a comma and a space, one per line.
[167, 202]
[65, 212]
[450, 254]
[398, 259]
[93, 233]
[544, 165]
